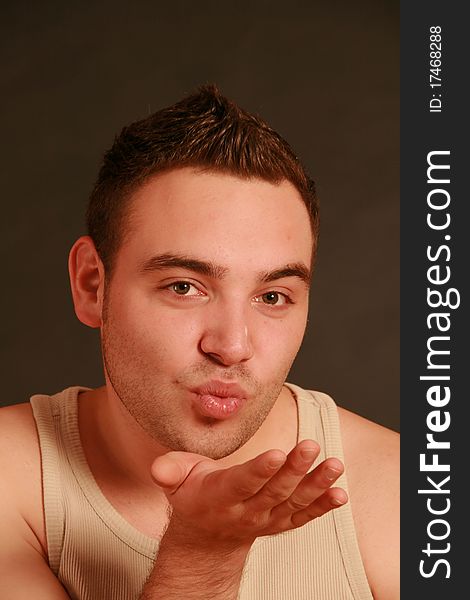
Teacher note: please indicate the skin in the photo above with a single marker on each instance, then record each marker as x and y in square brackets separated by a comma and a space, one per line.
[241, 320]
[159, 343]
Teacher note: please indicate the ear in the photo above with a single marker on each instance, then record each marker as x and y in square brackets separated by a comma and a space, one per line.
[87, 281]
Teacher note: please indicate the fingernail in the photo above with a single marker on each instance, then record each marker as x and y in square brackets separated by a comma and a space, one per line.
[307, 453]
[337, 502]
[331, 474]
[274, 463]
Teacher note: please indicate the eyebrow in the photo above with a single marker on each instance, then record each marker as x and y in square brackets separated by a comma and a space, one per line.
[167, 261]
[210, 269]
[291, 270]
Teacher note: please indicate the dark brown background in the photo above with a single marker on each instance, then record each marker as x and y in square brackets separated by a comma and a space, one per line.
[324, 74]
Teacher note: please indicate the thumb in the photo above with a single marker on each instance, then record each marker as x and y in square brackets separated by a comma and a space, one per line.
[171, 470]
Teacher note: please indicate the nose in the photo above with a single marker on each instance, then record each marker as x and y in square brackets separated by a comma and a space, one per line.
[227, 336]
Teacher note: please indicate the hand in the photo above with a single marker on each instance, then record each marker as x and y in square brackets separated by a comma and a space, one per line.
[269, 494]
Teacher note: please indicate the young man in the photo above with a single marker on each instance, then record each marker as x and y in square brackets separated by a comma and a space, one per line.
[196, 471]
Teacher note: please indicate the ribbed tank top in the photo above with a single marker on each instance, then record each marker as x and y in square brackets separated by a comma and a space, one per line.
[98, 555]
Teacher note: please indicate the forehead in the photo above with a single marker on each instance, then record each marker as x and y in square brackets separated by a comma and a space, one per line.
[220, 217]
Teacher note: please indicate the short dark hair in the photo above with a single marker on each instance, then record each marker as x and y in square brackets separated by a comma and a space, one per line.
[205, 130]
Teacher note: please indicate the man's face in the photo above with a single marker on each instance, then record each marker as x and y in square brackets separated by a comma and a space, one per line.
[207, 306]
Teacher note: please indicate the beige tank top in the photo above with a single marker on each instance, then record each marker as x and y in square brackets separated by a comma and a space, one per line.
[97, 555]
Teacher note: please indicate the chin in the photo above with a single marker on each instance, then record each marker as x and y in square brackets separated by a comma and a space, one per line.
[214, 451]
[214, 445]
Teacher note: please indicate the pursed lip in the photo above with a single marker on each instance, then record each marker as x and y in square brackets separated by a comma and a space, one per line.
[220, 389]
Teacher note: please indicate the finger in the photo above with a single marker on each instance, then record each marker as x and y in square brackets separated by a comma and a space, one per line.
[329, 500]
[240, 482]
[171, 470]
[311, 487]
[281, 486]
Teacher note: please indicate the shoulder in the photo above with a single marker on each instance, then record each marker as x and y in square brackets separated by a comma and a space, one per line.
[372, 462]
[377, 443]
[20, 474]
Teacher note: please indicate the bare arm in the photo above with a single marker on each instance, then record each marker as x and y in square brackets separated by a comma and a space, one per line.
[218, 514]
[189, 569]
[24, 572]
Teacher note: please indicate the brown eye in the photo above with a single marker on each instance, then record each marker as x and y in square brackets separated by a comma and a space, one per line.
[181, 287]
[270, 298]
[274, 299]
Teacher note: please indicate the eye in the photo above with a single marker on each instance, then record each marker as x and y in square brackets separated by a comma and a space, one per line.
[184, 288]
[273, 299]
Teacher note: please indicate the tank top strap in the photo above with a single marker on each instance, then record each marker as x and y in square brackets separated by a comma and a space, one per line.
[46, 411]
[318, 413]
[68, 481]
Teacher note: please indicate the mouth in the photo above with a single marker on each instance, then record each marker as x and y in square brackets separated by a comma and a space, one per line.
[218, 400]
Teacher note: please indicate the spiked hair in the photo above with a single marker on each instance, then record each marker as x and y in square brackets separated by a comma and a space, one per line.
[205, 130]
